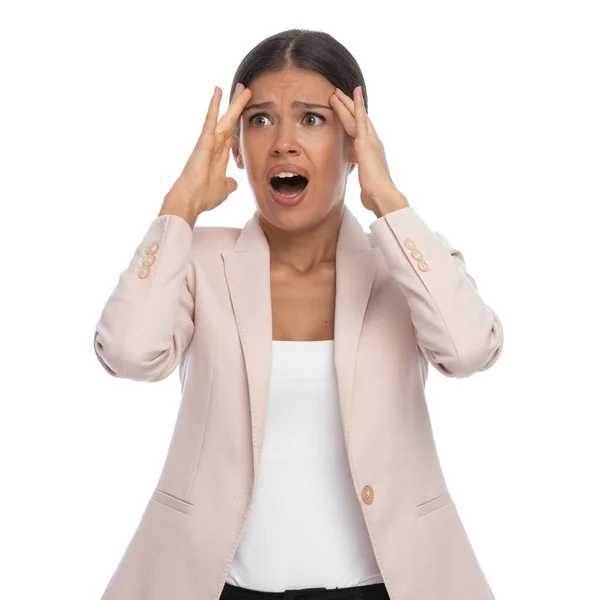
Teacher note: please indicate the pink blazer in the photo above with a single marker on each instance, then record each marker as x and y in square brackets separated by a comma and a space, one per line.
[200, 299]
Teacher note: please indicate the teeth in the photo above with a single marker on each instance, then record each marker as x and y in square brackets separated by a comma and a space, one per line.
[285, 174]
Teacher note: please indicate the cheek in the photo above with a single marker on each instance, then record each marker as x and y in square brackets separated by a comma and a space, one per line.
[325, 139]
[329, 151]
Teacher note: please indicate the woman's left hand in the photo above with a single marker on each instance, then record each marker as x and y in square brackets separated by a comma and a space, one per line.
[373, 173]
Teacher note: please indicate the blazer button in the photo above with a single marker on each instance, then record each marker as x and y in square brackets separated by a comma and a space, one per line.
[410, 244]
[152, 248]
[423, 265]
[148, 260]
[143, 272]
[367, 494]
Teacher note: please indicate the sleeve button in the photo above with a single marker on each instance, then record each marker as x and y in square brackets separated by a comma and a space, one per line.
[148, 260]
[423, 265]
[410, 244]
[417, 254]
[152, 248]
[143, 272]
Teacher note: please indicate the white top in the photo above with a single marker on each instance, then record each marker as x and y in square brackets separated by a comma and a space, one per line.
[305, 528]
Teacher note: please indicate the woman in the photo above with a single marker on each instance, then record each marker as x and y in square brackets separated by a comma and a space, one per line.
[303, 344]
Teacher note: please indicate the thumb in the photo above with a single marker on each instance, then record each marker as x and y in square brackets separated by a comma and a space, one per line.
[231, 185]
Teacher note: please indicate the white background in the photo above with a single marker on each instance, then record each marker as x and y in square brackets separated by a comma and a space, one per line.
[489, 116]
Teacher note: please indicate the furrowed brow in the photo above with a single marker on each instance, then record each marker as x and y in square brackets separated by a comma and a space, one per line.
[295, 104]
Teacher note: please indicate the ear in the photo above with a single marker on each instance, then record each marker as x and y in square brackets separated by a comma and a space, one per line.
[352, 158]
[235, 150]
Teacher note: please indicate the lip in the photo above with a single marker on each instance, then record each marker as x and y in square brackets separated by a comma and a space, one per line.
[290, 167]
[283, 201]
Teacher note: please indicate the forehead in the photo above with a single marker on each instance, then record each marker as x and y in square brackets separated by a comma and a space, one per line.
[293, 81]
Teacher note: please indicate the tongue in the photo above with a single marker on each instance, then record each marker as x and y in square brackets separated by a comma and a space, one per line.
[291, 189]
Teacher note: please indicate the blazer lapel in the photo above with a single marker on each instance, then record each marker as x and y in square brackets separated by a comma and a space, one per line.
[248, 274]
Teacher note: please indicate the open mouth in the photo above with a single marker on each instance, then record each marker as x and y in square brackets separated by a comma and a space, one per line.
[289, 186]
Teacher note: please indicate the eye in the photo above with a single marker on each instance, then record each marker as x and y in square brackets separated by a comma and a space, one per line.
[312, 114]
[309, 114]
[254, 117]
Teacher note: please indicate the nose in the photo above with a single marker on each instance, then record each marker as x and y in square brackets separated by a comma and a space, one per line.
[285, 140]
[287, 148]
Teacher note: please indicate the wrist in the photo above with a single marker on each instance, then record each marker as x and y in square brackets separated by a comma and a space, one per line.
[389, 203]
[177, 205]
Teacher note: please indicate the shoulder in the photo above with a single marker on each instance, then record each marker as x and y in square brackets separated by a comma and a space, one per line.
[209, 241]
[215, 236]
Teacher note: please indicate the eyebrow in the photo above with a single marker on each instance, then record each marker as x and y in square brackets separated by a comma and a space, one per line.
[295, 104]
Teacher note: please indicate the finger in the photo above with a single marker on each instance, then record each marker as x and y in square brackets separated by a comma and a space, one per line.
[344, 115]
[225, 129]
[228, 122]
[349, 103]
[223, 156]
[346, 101]
[210, 122]
[350, 106]
[360, 114]
[239, 88]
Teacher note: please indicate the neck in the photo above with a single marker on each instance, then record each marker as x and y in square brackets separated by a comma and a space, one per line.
[305, 250]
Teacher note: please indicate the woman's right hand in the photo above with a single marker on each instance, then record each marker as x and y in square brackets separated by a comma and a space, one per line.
[203, 183]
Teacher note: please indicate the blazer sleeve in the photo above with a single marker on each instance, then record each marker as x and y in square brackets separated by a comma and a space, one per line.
[148, 320]
[455, 330]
